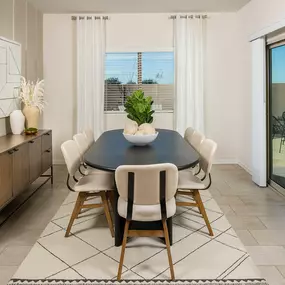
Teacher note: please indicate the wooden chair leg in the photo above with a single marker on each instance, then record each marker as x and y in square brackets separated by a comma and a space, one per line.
[166, 236]
[199, 201]
[107, 212]
[127, 224]
[75, 212]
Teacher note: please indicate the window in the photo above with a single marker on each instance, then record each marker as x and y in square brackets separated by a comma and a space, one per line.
[153, 72]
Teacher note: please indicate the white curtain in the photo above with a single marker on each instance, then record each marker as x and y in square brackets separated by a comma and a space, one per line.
[189, 47]
[90, 74]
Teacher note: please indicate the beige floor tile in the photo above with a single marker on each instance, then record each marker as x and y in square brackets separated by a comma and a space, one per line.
[227, 210]
[267, 255]
[259, 210]
[71, 249]
[213, 206]
[273, 223]
[228, 200]
[98, 267]
[272, 275]
[221, 224]
[269, 237]
[246, 223]
[6, 273]
[14, 255]
[44, 264]
[246, 237]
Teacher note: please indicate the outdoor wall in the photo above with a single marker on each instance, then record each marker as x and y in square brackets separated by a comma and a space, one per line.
[144, 32]
[255, 16]
[21, 22]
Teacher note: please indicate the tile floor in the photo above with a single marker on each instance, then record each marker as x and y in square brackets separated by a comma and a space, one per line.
[257, 215]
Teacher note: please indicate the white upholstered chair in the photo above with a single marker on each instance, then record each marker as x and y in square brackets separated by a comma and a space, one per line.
[188, 134]
[146, 194]
[196, 140]
[190, 185]
[95, 185]
[82, 144]
[89, 134]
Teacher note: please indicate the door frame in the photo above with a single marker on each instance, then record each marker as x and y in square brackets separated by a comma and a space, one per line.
[272, 183]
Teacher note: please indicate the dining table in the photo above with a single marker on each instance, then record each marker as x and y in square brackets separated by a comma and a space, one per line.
[112, 150]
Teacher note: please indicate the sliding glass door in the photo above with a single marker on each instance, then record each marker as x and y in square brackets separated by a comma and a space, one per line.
[276, 113]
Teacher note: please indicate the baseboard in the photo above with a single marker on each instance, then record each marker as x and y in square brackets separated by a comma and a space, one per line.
[245, 167]
[226, 161]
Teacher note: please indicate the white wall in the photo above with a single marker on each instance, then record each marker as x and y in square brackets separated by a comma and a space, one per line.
[21, 22]
[145, 32]
[255, 16]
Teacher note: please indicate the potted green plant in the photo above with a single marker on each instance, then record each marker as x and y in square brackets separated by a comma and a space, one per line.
[138, 108]
[139, 130]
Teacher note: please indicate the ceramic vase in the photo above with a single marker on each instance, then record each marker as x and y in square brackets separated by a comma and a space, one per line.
[17, 122]
[32, 115]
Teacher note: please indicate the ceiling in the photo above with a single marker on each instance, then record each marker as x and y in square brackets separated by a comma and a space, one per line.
[137, 6]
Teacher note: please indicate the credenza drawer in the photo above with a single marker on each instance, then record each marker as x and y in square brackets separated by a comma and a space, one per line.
[46, 160]
[6, 178]
[46, 141]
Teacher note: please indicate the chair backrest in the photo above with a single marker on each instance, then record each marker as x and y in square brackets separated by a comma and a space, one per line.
[71, 156]
[196, 140]
[188, 134]
[89, 135]
[207, 152]
[82, 143]
[147, 182]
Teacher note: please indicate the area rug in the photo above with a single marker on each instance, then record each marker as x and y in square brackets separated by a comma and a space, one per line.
[89, 256]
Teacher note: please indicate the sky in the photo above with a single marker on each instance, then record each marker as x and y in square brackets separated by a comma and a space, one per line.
[158, 66]
[278, 64]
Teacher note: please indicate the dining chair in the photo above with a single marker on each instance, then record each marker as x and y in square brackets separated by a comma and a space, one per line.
[89, 134]
[82, 144]
[88, 186]
[190, 185]
[146, 193]
[188, 134]
[196, 140]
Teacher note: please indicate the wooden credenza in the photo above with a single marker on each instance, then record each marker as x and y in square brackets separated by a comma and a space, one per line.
[23, 159]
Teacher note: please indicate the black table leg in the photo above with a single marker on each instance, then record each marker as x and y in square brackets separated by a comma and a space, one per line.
[119, 222]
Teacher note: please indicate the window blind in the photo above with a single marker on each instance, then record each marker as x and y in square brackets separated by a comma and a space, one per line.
[153, 72]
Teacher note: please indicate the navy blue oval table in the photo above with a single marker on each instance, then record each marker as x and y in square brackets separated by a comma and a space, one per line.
[112, 150]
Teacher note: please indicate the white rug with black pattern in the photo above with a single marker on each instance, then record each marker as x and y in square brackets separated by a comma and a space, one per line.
[89, 256]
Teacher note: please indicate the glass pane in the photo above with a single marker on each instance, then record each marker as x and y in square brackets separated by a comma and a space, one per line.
[158, 78]
[121, 79]
[277, 115]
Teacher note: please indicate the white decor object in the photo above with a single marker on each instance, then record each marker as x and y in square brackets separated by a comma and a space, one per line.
[17, 122]
[258, 140]
[189, 44]
[32, 95]
[10, 74]
[140, 139]
[91, 33]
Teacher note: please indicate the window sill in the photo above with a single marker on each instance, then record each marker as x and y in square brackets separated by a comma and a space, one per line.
[123, 112]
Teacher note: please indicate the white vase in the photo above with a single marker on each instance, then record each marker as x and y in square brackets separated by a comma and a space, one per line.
[17, 122]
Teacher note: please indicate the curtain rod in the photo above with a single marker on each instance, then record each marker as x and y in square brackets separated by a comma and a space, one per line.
[74, 18]
[173, 17]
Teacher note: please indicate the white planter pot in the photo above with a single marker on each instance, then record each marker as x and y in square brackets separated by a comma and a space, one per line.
[17, 122]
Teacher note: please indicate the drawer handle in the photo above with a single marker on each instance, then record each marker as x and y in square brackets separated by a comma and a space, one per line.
[10, 151]
[31, 141]
[49, 150]
[47, 134]
[15, 149]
